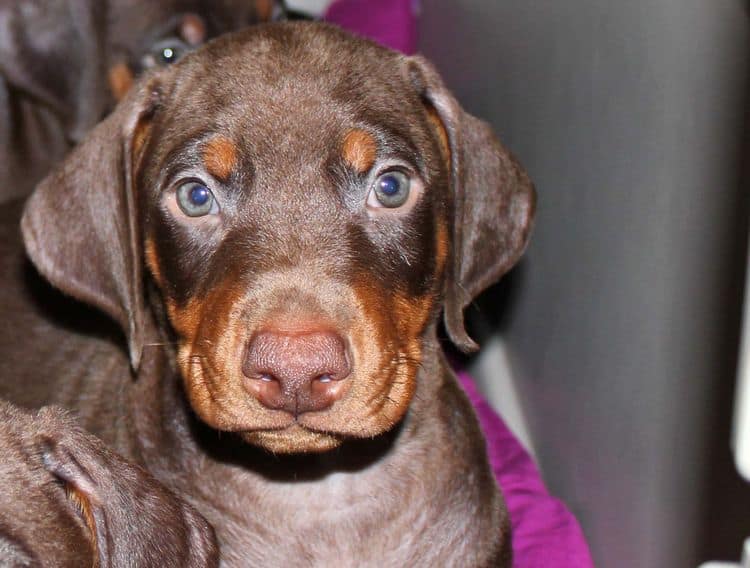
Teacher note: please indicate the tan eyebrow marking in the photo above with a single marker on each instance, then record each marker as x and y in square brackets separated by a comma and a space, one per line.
[192, 29]
[359, 150]
[264, 9]
[120, 79]
[220, 157]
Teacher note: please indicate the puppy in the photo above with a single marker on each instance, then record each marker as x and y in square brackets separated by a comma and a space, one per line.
[277, 223]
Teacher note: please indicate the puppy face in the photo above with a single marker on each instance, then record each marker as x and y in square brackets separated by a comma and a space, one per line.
[306, 204]
[298, 217]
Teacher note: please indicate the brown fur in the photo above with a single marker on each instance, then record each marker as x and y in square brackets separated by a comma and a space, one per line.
[297, 243]
[67, 500]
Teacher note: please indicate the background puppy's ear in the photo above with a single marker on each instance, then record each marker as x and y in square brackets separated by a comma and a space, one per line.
[493, 202]
[53, 53]
[80, 226]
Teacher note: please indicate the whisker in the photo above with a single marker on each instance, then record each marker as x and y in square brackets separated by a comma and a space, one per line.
[160, 344]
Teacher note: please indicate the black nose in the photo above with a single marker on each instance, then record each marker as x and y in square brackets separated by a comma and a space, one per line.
[296, 372]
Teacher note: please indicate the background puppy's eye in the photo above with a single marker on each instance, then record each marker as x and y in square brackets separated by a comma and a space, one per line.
[195, 199]
[391, 189]
[165, 53]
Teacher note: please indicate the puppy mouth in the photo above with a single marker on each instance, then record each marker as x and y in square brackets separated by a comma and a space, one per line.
[360, 414]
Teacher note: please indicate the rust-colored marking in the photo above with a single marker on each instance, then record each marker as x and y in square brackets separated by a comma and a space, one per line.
[185, 319]
[413, 315]
[192, 29]
[207, 353]
[140, 135]
[120, 79]
[264, 9]
[152, 261]
[83, 506]
[442, 246]
[220, 157]
[439, 127]
[359, 150]
[391, 353]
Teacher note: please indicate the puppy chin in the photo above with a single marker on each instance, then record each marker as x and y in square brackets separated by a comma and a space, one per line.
[292, 440]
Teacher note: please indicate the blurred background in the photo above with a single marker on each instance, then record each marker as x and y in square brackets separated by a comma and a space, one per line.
[612, 348]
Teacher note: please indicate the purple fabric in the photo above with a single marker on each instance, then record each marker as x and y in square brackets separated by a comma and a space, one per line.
[545, 533]
[389, 22]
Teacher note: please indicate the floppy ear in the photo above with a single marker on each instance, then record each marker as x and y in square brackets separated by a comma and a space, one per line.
[53, 52]
[82, 490]
[133, 520]
[493, 202]
[80, 226]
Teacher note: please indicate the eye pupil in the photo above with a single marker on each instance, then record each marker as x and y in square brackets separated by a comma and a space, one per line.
[199, 195]
[390, 185]
[167, 53]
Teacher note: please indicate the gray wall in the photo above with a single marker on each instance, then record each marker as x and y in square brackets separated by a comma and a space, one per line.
[622, 329]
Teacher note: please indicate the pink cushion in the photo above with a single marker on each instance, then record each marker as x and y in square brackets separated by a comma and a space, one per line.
[389, 22]
[545, 532]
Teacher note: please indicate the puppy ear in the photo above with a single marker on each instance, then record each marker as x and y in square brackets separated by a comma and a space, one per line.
[133, 520]
[80, 226]
[493, 202]
[54, 53]
[83, 492]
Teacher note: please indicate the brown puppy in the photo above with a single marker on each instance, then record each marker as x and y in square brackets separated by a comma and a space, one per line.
[67, 500]
[277, 223]
[64, 62]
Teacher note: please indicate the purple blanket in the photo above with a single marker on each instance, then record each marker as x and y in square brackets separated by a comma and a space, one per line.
[545, 533]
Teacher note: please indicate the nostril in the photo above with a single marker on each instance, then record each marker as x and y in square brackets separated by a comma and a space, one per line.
[267, 389]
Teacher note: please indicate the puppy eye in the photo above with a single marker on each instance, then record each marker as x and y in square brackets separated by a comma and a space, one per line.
[391, 189]
[195, 199]
[165, 53]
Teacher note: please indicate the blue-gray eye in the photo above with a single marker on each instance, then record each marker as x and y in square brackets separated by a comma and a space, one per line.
[195, 199]
[392, 189]
[165, 53]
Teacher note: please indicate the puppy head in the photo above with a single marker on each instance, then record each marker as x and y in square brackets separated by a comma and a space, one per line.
[307, 203]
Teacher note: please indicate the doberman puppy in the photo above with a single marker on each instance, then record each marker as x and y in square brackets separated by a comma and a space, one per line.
[277, 222]
[64, 62]
[67, 500]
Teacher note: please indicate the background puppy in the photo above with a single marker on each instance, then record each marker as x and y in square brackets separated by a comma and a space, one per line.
[64, 62]
[277, 223]
[66, 500]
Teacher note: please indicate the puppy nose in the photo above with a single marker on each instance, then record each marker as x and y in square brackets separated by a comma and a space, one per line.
[296, 372]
